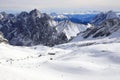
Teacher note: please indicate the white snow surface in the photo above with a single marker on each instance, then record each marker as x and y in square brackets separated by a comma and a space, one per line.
[86, 60]
[71, 29]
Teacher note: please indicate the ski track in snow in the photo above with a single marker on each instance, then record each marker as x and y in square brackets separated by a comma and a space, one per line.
[85, 60]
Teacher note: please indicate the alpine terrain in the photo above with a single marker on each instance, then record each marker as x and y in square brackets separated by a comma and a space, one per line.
[35, 46]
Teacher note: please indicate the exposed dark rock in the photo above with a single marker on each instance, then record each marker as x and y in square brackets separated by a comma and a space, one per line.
[2, 39]
[27, 29]
[51, 53]
[104, 25]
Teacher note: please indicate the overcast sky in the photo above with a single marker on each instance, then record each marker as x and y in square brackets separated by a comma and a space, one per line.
[61, 4]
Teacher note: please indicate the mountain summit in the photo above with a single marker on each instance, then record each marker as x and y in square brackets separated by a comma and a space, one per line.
[103, 25]
[31, 28]
[100, 18]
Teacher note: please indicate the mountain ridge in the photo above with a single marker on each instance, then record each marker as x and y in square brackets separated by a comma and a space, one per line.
[31, 28]
[103, 25]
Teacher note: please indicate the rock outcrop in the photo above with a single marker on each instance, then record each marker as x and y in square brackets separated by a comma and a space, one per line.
[27, 29]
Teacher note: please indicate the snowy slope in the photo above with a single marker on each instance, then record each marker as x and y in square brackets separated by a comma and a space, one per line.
[70, 29]
[85, 60]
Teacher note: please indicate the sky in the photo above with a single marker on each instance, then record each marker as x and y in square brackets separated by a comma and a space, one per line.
[20, 5]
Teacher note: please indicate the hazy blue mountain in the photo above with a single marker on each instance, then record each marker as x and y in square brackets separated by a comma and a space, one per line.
[75, 18]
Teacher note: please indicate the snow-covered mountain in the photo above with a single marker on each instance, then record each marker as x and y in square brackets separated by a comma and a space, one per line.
[104, 25]
[79, 60]
[79, 18]
[31, 28]
[70, 29]
[100, 18]
[34, 28]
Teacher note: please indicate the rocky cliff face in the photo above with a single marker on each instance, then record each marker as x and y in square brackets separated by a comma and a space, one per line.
[31, 28]
[104, 25]
[100, 18]
[2, 39]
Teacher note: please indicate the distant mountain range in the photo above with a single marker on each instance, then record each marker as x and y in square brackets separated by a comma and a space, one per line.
[75, 18]
[103, 25]
[34, 28]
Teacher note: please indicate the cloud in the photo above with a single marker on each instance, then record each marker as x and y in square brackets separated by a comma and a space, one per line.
[41, 4]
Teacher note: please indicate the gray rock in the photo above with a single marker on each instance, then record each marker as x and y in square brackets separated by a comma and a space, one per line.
[104, 25]
[28, 29]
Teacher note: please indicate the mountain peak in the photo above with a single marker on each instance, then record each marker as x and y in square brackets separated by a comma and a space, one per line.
[28, 29]
[23, 14]
[105, 24]
[100, 18]
[35, 13]
[111, 15]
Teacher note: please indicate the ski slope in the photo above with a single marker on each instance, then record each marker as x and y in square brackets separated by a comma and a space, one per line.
[86, 60]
